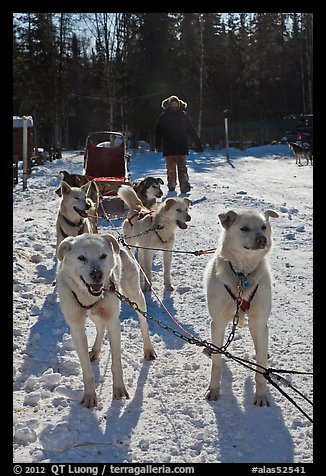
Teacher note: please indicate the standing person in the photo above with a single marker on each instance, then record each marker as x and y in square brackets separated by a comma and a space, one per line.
[172, 130]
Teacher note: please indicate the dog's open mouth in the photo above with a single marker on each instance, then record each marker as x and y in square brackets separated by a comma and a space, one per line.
[260, 246]
[93, 288]
[182, 224]
[80, 212]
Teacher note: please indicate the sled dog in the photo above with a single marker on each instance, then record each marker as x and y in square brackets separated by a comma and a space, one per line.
[154, 229]
[301, 153]
[91, 268]
[77, 180]
[72, 216]
[149, 190]
[240, 266]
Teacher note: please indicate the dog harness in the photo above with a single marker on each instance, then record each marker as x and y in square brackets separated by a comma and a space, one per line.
[139, 215]
[245, 303]
[244, 282]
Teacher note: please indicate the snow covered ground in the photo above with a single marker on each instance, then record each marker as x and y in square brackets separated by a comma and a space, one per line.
[167, 419]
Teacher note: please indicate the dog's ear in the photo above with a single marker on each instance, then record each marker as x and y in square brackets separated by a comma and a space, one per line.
[159, 180]
[93, 192]
[85, 188]
[147, 182]
[271, 213]
[82, 179]
[64, 247]
[65, 187]
[79, 181]
[188, 201]
[111, 240]
[66, 175]
[169, 203]
[228, 218]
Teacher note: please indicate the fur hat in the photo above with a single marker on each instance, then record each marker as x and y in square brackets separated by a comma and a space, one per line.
[166, 102]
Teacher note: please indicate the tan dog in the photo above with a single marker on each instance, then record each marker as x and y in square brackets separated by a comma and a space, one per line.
[154, 229]
[91, 267]
[78, 180]
[72, 217]
[240, 265]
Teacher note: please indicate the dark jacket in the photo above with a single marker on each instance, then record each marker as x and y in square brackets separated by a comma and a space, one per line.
[172, 130]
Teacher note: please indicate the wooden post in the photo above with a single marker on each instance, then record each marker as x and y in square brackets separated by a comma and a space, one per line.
[25, 152]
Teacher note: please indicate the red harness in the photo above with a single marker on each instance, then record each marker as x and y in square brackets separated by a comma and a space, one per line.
[140, 216]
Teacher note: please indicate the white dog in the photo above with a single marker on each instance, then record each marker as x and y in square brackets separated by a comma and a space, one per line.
[92, 267]
[154, 229]
[72, 216]
[240, 266]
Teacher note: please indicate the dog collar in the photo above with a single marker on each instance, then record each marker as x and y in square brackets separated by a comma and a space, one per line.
[80, 231]
[82, 305]
[70, 223]
[110, 289]
[243, 277]
[80, 225]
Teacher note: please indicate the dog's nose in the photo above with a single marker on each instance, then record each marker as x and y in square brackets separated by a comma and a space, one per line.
[96, 274]
[188, 217]
[261, 241]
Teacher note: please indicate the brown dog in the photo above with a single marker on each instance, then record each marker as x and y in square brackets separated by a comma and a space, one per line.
[301, 152]
[148, 190]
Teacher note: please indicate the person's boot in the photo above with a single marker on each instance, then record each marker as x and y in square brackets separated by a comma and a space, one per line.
[185, 188]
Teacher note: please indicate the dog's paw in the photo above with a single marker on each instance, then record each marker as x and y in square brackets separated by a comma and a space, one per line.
[212, 394]
[94, 355]
[146, 287]
[119, 392]
[207, 352]
[261, 401]
[150, 354]
[168, 287]
[89, 399]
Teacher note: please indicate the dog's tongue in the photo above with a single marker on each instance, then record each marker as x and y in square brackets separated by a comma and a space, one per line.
[82, 213]
[182, 225]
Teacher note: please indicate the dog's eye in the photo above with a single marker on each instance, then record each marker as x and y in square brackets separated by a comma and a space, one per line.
[263, 227]
[103, 256]
[244, 228]
[178, 210]
[81, 258]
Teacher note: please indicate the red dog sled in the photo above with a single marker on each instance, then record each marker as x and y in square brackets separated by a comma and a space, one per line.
[106, 162]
